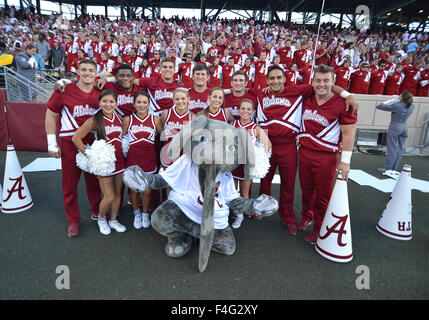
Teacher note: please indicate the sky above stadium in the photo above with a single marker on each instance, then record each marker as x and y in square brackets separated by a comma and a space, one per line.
[68, 10]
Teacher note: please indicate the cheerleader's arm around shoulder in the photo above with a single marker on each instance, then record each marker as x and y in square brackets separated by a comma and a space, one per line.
[81, 133]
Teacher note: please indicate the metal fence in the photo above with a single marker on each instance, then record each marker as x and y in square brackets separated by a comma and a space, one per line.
[19, 88]
[422, 141]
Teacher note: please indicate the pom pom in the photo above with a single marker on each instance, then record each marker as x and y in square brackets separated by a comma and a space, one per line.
[101, 158]
[262, 161]
[82, 162]
[126, 144]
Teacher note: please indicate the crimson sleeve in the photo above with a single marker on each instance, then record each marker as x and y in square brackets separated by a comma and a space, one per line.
[55, 102]
[347, 117]
[143, 83]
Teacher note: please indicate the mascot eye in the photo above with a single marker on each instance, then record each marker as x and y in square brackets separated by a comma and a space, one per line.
[230, 148]
[203, 139]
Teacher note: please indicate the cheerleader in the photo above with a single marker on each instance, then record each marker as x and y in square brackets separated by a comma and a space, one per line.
[174, 119]
[107, 125]
[142, 128]
[214, 110]
[246, 109]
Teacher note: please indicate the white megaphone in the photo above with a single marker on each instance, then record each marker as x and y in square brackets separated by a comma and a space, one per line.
[395, 222]
[16, 195]
[335, 237]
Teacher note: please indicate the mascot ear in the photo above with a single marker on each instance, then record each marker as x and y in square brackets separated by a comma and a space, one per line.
[183, 139]
[246, 152]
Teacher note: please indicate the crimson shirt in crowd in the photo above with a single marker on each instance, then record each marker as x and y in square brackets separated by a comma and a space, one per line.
[359, 82]
[393, 83]
[411, 79]
[286, 56]
[342, 77]
[377, 82]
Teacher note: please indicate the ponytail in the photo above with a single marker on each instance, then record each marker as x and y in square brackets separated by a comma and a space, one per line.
[99, 127]
[407, 98]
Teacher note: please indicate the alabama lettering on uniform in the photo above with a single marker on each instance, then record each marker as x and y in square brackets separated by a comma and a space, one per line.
[125, 99]
[280, 113]
[160, 93]
[142, 145]
[198, 100]
[320, 126]
[73, 113]
[174, 123]
[142, 129]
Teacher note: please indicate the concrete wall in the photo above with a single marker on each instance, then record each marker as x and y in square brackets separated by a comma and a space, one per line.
[371, 118]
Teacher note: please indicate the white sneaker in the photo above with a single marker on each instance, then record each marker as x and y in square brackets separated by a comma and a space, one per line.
[104, 227]
[138, 221]
[114, 224]
[392, 174]
[237, 222]
[145, 220]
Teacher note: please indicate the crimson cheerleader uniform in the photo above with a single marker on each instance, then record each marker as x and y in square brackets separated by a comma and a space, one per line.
[172, 125]
[113, 129]
[142, 146]
[75, 107]
[320, 142]
[220, 115]
[238, 173]
[280, 114]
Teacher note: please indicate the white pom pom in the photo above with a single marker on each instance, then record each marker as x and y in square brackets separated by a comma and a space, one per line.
[101, 158]
[126, 144]
[262, 161]
[82, 162]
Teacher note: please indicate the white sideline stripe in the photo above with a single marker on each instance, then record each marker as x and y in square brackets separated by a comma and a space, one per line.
[385, 185]
[43, 164]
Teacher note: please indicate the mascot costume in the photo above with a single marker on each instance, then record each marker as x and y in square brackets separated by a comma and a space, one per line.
[203, 191]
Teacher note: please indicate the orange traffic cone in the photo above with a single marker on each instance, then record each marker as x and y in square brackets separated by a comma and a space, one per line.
[335, 237]
[16, 195]
[395, 222]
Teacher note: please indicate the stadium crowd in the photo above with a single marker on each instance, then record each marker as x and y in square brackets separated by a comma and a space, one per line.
[365, 62]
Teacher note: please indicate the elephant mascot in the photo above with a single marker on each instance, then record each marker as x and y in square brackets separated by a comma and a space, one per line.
[202, 188]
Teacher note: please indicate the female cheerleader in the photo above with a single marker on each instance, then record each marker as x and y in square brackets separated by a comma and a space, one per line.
[214, 110]
[174, 119]
[108, 126]
[246, 109]
[142, 128]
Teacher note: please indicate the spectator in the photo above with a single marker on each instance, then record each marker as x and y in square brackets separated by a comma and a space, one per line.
[43, 49]
[58, 58]
[397, 133]
[26, 67]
